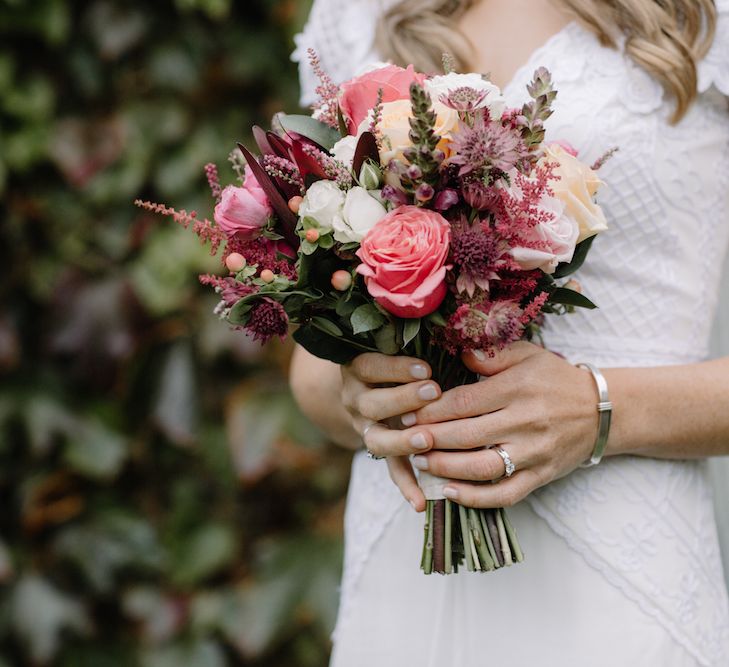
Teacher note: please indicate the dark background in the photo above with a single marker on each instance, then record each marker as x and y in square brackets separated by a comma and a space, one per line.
[162, 502]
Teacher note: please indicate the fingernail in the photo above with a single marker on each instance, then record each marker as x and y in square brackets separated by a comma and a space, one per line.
[420, 462]
[450, 492]
[418, 441]
[428, 392]
[419, 372]
[479, 355]
[409, 419]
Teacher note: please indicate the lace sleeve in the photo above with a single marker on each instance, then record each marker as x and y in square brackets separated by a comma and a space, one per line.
[342, 32]
[714, 68]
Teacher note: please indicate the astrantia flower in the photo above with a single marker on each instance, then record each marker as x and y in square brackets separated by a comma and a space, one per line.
[489, 326]
[485, 146]
[477, 255]
[267, 319]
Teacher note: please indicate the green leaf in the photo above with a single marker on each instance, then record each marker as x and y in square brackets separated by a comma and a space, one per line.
[209, 549]
[324, 346]
[386, 340]
[95, 450]
[327, 325]
[367, 318]
[311, 128]
[578, 259]
[437, 319]
[568, 297]
[410, 329]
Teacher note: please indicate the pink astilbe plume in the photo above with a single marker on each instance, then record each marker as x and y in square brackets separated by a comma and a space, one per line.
[267, 319]
[485, 146]
[211, 172]
[205, 230]
[284, 171]
[334, 169]
[520, 209]
[327, 107]
[533, 310]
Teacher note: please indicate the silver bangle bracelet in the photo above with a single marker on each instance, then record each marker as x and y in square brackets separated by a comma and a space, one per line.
[605, 411]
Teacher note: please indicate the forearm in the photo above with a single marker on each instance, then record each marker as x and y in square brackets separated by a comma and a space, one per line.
[670, 411]
[316, 385]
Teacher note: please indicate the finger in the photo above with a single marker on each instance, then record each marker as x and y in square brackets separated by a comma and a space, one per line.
[374, 368]
[484, 364]
[472, 433]
[470, 400]
[379, 404]
[505, 493]
[401, 472]
[482, 465]
[383, 441]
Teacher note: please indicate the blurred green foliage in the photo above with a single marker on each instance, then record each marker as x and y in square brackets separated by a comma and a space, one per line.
[162, 502]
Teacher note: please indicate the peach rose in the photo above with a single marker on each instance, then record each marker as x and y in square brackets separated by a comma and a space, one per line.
[243, 211]
[576, 187]
[403, 261]
[359, 95]
[395, 128]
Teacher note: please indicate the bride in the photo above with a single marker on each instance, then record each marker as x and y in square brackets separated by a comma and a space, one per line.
[622, 562]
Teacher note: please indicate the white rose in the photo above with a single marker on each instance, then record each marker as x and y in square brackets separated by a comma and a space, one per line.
[559, 236]
[344, 149]
[361, 213]
[443, 85]
[323, 202]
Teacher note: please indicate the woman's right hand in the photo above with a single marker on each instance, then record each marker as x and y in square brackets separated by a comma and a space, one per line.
[381, 393]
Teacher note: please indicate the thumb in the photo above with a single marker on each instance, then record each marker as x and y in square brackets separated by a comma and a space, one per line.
[480, 362]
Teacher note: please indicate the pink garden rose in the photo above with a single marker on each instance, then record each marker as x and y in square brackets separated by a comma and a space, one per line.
[403, 261]
[359, 95]
[243, 211]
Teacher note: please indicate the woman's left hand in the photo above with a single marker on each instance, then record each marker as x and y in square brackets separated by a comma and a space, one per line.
[535, 405]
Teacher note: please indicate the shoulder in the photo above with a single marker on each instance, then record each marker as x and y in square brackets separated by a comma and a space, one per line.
[714, 68]
[342, 32]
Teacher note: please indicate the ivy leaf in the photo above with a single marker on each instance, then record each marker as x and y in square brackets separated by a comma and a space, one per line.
[367, 318]
[568, 297]
[578, 259]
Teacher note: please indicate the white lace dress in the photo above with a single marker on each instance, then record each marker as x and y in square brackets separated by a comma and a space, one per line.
[622, 562]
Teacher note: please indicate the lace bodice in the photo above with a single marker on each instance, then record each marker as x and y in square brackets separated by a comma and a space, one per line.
[655, 277]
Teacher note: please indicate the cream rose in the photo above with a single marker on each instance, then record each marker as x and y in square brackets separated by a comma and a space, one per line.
[362, 211]
[576, 187]
[323, 202]
[395, 127]
[344, 150]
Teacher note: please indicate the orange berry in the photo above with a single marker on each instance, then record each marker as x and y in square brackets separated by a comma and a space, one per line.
[341, 280]
[295, 203]
[235, 262]
[574, 286]
[267, 276]
[312, 235]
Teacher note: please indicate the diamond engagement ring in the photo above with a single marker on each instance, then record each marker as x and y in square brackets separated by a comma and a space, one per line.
[508, 463]
[370, 454]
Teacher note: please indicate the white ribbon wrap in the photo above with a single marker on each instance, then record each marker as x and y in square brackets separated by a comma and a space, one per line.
[431, 485]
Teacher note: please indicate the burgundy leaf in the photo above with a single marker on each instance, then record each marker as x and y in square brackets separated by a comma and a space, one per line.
[279, 204]
[366, 150]
[279, 146]
[259, 134]
[307, 165]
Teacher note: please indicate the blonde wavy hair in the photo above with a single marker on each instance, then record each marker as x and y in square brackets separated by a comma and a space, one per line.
[665, 37]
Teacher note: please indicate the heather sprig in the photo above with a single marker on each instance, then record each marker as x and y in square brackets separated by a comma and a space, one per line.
[327, 108]
[284, 170]
[211, 172]
[333, 169]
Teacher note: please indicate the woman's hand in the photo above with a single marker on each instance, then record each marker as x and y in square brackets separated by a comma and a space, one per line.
[378, 388]
[538, 407]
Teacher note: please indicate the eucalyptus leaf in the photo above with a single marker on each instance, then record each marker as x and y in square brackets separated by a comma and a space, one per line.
[410, 329]
[568, 297]
[437, 319]
[386, 340]
[367, 318]
[327, 325]
[310, 128]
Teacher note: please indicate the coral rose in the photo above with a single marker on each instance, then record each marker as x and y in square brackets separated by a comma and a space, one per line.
[359, 95]
[243, 211]
[403, 261]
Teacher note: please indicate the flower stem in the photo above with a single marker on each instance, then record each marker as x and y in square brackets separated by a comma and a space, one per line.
[504, 540]
[448, 537]
[487, 537]
[513, 540]
[439, 536]
[462, 515]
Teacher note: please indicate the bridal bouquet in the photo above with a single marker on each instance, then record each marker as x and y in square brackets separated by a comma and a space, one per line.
[414, 215]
